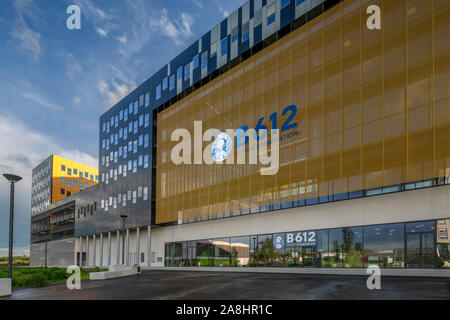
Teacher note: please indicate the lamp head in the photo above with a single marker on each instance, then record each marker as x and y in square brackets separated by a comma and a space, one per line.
[12, 178]
[124, 216]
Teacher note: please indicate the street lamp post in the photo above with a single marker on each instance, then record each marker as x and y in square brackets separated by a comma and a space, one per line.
[123, 238]
[12, 180]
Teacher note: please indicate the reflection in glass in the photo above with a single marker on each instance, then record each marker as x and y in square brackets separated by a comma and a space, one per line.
[221, 252]
[383, 245]
[264, 251]
[422, 226]
[240, 251]
[413, 250]
[346, 247]
[204, 256]
[280, 252]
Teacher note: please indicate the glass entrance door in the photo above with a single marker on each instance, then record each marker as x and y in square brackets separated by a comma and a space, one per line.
[420, 250]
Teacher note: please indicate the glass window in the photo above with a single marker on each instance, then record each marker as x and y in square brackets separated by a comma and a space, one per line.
[346, 247]
[147, 99]
[136, 107]
[196, 62]
[384, 245]
[135, 127]
[271, 19]
[285, 3]
[245, 32]
[158, 92]
[69, 171]
[187, 72]
[141, 140]
[213, 49]
[165, 83]
[204, 254]
[205, 60]
[224, 47]
[146, 161]
[146, 141]
[63, 180]
[263, 252]
[180, 73]
[130, 109]
[134, 197]
[172, 83]
[121, 115]
[234, 38]
[221, 252]
[443, 244]
[240, 251]
[145, 197]
[423, 226]
[125, 115]
[147, 120]
[141, 120]
[63, 168]
[299, 2]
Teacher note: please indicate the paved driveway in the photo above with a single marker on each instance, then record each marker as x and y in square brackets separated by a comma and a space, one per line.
[241, 286]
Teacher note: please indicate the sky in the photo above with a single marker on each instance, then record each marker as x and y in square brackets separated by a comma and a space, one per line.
[55, 82]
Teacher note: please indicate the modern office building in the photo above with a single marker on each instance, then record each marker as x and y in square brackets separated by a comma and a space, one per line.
[364, 120]
[55, 184]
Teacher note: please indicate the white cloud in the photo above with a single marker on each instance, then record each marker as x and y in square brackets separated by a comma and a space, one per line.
[115, 92]
[225, 13]
[123, 39]
[178, 30]
[77, 100]
[27, 40]
[102, 32]
[39, 100]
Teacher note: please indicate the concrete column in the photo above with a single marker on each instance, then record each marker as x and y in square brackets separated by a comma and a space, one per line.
[138, 247]
[149, 246]
[127, 249]
[118, 248]
[101, 250]
[109, 249]
[81, 251]
[94, 249]
[87, 251]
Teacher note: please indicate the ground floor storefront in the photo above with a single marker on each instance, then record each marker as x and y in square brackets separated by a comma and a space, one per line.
[419, 244]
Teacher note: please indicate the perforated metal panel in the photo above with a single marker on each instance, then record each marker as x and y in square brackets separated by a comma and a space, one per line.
[373, 110]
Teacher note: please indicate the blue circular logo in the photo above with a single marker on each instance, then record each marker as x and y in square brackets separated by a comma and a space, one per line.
[278, 242]
[221, 147]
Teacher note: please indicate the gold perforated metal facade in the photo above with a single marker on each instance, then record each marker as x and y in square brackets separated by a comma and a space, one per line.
[373, 110]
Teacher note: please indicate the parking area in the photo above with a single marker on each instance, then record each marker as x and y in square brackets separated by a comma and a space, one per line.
[188, 285]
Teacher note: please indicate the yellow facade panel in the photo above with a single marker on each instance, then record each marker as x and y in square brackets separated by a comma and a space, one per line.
[372, 110]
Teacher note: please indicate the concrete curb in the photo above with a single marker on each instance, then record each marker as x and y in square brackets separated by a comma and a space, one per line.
[435, 273]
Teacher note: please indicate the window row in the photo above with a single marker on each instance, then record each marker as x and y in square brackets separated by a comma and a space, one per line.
[132, 109]
[80, 174]
[74, 183]
[132, 147]
[122, 170]
[122, 199]
[133, 127]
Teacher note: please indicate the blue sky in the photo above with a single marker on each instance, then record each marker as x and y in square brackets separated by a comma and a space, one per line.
[55, 82]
